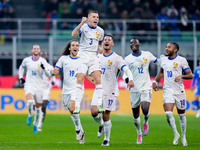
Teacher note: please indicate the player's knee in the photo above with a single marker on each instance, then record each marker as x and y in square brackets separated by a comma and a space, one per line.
[80, 78]
[94, 113]
[71, 110]
[145, 112]
[135, 115]
[45, 102]
[136, 112]
[106, 117]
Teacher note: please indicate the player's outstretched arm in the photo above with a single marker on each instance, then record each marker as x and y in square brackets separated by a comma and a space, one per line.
[75, 32]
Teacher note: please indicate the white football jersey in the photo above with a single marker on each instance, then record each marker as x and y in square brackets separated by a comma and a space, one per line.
[90, 38]
[34, 73]
[69, 66]
[111, 66]
[139, 66]
[46, 78]
[173, 68]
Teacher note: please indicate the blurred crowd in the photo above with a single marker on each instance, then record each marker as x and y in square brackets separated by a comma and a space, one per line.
[6, 12]
[127, 9]
[116, 9]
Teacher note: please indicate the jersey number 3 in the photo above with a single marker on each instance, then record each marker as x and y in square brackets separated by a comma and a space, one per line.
[91, 41]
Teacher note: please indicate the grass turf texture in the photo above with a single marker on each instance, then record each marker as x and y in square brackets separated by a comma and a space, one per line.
[58, 132]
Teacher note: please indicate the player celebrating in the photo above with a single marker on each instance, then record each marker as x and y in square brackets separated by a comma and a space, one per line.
[91, 37]
[138, 62]
[35, 66]
[174, 68]
[197, 87]
[111, 64]
[46, 91]
[69, 63]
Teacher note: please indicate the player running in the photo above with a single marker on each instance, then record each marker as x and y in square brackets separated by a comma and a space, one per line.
[111, 64]
[68, 62]
[35, 68]
[174, 68]
[138, 62]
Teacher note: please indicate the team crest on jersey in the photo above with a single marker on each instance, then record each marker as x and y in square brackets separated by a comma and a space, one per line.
[145, 59]
[97, 34]
[175, 65]
[39, 66]
[145, 62]
[109, 62]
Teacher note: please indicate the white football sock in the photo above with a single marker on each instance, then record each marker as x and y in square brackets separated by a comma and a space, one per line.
[77, 122]
[137, 125]
[107, 130]
[97, 96]
[37, 115]
[171, 121]
[30, 104]
[99, 120]
[183, 122]
[79, 95]
[146, 118]
[40, 119]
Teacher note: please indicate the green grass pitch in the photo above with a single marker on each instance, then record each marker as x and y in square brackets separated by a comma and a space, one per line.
[58, 133]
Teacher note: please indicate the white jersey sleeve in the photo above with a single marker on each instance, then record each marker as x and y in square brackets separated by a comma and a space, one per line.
[184, 64]
[152, 57]
[22, 68]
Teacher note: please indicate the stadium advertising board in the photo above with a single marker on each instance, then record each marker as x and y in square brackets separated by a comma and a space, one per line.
[13, 101]
[10, 82]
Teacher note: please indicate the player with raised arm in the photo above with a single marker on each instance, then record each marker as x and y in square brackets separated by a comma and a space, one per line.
[68, 62]
[197, 87]
[91, 37]
[174, 68]
[35, 68]
[46, 91]
[138, 62]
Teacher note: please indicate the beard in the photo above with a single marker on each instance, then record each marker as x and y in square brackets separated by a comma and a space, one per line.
[169, 54]
[35, 54]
